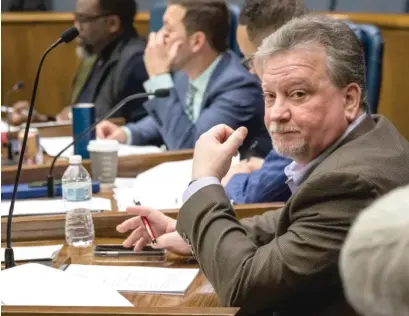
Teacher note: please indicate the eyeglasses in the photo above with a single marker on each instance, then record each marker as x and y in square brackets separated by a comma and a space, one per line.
[248, 62]
[87, 18]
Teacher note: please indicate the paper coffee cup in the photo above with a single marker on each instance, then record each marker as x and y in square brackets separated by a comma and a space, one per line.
[104, 160]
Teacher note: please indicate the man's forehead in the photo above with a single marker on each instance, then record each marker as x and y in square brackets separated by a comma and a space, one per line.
[299, 63]
[87, 6]
[174, 14]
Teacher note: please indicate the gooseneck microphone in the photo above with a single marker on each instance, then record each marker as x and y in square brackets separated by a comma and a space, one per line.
[160, 93]
[66, 37]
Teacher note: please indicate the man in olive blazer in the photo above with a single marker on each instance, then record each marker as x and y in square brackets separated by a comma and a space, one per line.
[286, 262]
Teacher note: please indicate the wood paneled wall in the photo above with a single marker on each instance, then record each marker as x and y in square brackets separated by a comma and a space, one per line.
[25, 36]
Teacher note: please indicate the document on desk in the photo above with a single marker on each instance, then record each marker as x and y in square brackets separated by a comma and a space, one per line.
[49, 206]
[53, 145]
[33, 253]
[171, 281]
[34, 284]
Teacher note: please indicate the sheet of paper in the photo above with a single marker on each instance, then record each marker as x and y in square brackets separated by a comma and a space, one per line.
[124, 183]
[49, 207]
[33, 253]
[53, 145]
[137, 279]
[162, 186]
[34, 284]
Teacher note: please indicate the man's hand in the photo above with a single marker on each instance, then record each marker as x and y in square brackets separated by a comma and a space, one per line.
[163, 227]
[244, 166]
[214, 151]
[158, 57]
[108, 130]
[20, 114]
[65, 114]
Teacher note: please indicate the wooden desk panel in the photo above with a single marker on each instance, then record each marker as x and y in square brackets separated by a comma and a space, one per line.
[200, 299]
[31, 228]
[129, 166]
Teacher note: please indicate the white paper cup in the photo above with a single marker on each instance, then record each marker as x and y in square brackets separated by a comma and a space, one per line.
[104, 160]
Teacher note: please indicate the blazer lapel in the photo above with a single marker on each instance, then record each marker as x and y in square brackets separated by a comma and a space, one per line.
[181, 82]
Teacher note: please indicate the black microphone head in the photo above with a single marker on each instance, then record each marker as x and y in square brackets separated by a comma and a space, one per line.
[69, 34]
[162, 93]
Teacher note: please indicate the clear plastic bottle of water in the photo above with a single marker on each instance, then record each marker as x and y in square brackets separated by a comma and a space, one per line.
[77, 193]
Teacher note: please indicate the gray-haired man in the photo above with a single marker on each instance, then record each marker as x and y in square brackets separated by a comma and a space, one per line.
[313, 77]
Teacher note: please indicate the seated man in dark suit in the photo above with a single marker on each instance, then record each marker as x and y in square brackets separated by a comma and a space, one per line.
[106, 30]
[286, 261]
[260, 180]
[210, 85]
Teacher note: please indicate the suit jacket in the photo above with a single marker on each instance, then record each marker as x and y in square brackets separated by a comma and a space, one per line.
[268, 184]
[233, 97]
[286, 261]
[123, 73]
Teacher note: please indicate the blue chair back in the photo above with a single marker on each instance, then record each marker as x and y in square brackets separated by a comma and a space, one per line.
[373, 44]
[156, 22]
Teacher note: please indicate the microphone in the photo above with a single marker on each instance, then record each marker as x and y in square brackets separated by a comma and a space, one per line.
[16, 87]
[159, 93]
[66, 37]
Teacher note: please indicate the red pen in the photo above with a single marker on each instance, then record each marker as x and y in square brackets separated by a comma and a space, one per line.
[148, 229]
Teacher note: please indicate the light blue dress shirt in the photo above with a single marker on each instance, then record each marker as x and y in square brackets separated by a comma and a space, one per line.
[165, 81]
[294, 171]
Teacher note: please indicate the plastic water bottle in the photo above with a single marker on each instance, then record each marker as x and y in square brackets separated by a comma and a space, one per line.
[77, 193]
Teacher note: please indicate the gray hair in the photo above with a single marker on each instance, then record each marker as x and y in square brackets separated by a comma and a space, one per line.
[345, 60]
[374, 261]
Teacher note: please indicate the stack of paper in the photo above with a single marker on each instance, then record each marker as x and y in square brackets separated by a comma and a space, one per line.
[53, 145]
[34, 284]
[137, 279]
[49, 207]
[33, 253]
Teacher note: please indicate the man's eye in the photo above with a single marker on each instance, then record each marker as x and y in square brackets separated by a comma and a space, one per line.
[298, 94]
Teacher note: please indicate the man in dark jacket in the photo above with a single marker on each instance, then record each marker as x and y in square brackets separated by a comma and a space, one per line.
[106, 30]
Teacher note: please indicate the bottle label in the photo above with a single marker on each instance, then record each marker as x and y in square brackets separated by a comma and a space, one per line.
[77, 194]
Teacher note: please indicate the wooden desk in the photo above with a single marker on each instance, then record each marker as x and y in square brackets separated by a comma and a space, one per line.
[31, 228]
[200, 299]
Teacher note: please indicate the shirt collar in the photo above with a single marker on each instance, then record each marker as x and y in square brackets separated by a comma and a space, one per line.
[296, 173]
[200, 83]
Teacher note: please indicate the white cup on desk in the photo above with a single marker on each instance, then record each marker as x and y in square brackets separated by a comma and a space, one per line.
[104, 161]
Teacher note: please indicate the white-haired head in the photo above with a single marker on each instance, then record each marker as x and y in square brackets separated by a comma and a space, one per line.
[374, 261]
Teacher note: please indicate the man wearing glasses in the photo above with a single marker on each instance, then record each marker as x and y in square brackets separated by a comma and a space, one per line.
[115, 69]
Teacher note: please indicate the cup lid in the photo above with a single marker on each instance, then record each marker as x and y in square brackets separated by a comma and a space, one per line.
[103, 145]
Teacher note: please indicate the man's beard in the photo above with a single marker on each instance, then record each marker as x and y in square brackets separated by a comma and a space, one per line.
[295, 149]
[83, 50]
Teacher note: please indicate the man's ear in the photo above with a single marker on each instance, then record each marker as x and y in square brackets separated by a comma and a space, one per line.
[114, 24]
[197, 41]
[352, 101]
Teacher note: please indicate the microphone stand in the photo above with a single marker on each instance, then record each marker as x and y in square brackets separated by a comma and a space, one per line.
[67, 36]
[160, 93]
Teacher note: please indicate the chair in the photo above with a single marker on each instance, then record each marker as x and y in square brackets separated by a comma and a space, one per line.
[373, 44]
[156, 22]
[381, 6]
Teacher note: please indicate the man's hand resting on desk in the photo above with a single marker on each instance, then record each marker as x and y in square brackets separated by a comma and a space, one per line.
[163, 227]
[20, 113]
[244, 166]
[108, 130]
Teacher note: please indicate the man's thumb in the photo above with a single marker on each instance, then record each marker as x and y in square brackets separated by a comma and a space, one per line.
[235, 140]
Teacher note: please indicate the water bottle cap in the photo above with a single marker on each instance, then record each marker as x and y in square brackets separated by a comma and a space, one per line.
[76, 159]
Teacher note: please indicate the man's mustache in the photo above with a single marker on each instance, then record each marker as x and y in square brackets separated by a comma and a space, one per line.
[282, 128]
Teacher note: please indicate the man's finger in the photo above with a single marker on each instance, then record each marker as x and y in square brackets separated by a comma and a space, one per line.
[134, 237]
[174, 49]
[168, 240]
[129, 224]
[220, 132]
[140, 210]
[235, 140]
[151, 40]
